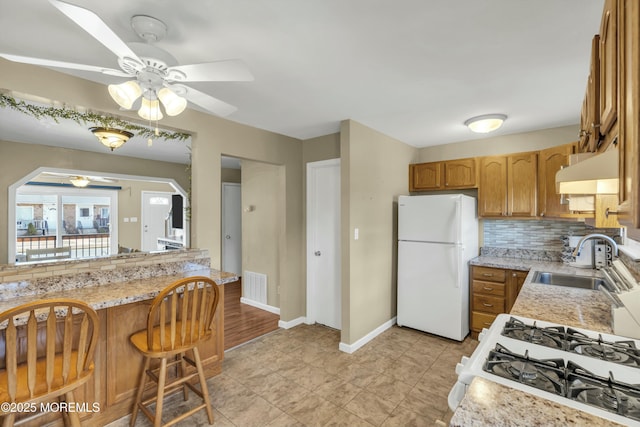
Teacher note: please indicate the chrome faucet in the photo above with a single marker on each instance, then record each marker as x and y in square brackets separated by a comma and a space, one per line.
[609, 240]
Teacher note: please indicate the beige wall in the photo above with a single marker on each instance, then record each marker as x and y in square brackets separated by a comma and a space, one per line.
[130, 205]
[18, 160]
[374, 173]
[212, 137]
[529, 141]
[262, 222]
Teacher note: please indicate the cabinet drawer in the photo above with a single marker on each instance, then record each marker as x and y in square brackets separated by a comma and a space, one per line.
[488, 288]
[489, 274]
[488, 304]
[481, 320]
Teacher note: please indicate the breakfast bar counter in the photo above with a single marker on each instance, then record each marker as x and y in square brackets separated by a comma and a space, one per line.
[121, 295]
[487, 403]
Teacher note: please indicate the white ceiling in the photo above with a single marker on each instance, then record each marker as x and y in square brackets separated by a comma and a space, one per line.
[412, 69]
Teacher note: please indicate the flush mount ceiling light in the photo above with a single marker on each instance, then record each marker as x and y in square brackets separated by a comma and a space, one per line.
[111, 138]
[485, 123]
[79, 181]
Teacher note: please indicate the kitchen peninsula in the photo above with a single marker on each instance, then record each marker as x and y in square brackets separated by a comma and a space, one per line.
[120, 289]
[487, 403]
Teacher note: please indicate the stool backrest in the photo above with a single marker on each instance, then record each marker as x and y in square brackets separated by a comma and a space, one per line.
[182, 314]
[48, 348]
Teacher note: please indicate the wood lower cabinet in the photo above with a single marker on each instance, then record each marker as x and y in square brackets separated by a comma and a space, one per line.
[493, 291]
[450, 174]
[508, 186]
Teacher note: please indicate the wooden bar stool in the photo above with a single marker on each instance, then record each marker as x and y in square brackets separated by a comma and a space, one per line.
[48, 353]
[179, 319]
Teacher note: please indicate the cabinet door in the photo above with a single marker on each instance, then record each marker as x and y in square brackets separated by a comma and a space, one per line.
[522, 170]
[514, 284]
[583, 143]
[492, 192]
[460, 173]
[629, 124]
[551, 161]
[425, 176]
[608, 66]
[592, 99]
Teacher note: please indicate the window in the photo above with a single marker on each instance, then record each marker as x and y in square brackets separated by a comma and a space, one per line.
[84, 212]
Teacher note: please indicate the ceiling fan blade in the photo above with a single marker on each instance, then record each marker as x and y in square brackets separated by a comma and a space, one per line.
[92, 24]
[231, 70]
[208, 102]
[60, 64]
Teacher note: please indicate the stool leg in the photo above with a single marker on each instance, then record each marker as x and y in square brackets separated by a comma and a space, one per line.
[162, 376]
[9, 419]
[203, 384]
[73, 415]
[143, 378]
[183, 370]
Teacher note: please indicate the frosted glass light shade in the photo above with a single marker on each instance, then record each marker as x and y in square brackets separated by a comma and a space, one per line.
[79, 181]
[111, 138]
[125, 94]
[486, 123]
[150, 109]
[173, 104]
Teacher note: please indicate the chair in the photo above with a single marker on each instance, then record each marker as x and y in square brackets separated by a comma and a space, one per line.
[48, 353]
[179, 319]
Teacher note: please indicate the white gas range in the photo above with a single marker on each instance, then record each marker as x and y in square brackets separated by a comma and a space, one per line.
[585, 370]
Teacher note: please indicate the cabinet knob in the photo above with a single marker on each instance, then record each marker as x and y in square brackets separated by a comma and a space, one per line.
[487, 289]
[513, 274]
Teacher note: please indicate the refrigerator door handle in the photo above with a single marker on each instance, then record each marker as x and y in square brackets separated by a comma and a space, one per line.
[458, 258]
[459, 219]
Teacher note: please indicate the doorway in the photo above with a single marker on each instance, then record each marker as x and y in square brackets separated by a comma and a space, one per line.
[324, 286]
[232, 228]
[156, 207]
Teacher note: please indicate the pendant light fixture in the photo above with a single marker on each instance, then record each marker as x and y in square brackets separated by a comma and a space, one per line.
[79, 181]
[111, 138]
[485, 123]
[125, 94]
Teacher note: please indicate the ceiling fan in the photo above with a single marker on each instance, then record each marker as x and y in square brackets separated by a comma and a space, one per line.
[154, 74]
[80, 180]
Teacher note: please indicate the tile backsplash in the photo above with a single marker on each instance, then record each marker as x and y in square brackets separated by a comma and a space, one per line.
[533, 239]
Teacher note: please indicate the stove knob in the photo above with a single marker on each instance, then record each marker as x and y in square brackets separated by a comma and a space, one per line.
[460, 366]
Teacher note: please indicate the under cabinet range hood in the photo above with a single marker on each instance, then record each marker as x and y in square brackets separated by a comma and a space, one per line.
[598, 174]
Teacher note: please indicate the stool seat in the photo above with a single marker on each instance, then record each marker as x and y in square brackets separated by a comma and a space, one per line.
[179, 319]
[48, 353]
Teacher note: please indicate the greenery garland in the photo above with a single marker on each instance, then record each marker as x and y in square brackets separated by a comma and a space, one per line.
[81, 118]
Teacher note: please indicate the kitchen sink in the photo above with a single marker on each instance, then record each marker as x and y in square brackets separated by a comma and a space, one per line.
[559, 279]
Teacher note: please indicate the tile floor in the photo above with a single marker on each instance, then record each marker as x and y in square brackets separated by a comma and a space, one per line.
[298, 377]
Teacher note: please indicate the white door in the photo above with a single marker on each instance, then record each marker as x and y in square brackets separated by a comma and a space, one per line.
[324, 285]
[155, 212]
[231, 228]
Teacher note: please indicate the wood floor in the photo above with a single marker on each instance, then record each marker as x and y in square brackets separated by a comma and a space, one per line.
[243, 322]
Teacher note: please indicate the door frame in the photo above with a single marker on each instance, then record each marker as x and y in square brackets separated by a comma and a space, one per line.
[224, 219]
[312, 286]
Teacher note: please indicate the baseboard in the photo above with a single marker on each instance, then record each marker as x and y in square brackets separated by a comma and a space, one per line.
[265, 307]
[291, 323]
[351, 348]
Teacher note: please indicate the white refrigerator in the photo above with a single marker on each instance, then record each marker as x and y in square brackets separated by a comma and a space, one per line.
[437, 236]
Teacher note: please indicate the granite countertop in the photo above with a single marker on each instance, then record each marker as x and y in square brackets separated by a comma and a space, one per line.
[487, 403]
[122, 292]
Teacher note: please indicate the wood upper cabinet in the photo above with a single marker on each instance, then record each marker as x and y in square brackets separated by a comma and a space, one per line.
[450, 174]
[590, 114]
[425, 176]
[629, 123]
[492, 189]
[550, 161]
[460, 173]
[508, 185]
[609, 66]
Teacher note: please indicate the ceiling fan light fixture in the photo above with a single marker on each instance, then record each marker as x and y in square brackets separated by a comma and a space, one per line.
[111, 138]
[173, 104]
[485, 123]
[79, 181]
[150, 109]
[125, 94]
